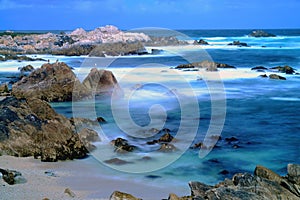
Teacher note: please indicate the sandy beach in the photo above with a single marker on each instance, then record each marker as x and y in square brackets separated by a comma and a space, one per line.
[76, 175]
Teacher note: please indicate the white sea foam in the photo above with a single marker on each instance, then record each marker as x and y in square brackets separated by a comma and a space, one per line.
[285, 98]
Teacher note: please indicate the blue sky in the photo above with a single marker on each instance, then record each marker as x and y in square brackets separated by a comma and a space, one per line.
[129, 14]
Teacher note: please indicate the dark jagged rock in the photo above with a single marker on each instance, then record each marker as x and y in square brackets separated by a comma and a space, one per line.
[100, 119]
[261, 33]
[33, 128]
[122, 146]
[52, 82]
[208, 65]
[259, 68]
[102, 82]
[76, 50]
[275, 76]
[238, 43]
[11, 176]
[286, 69]
[200, 42]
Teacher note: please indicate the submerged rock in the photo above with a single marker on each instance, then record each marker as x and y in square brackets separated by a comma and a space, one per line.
[116, 161]
[259, 68]
[275, 76]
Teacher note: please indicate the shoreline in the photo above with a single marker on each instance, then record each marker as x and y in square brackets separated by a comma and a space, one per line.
[77, 175]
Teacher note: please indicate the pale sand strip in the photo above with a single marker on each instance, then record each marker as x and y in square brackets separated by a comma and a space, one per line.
[76, 175]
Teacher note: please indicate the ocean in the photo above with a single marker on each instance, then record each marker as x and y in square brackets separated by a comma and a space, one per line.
[256, 118]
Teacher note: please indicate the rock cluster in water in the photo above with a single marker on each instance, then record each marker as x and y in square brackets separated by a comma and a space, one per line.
[263, 184]
[206, 64]
[261, 33]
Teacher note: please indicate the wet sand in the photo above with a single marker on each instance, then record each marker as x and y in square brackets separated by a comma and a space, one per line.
[80, 176]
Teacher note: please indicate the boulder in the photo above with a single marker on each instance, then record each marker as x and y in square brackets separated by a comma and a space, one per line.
[122, 146]
[102, 82]
[261, 33]
[33, 128]
[4, 89]
[52, 82]
[275, 76]
[122, 196]
[238, 43]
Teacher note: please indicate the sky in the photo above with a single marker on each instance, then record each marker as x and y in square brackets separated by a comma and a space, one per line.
[131, 14]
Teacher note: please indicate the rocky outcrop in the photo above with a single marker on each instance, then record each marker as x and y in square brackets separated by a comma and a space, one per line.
[200, 42]
[261, 33]
[30, 127]
[77, 42]
[275, 76]
[238, 43]
[52, 82]
[208, 65]
[102, 82]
